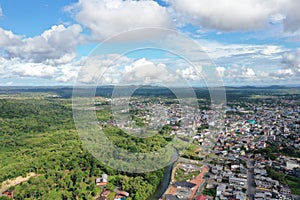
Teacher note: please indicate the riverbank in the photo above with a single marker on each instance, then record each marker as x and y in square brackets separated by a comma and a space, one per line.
[163, 186]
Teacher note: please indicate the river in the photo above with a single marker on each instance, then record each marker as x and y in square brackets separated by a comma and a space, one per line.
[164, 184]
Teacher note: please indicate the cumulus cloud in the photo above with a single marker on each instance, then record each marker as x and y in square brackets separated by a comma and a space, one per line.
[281, 74]
[67, 73]
[54, 46]
[16, 68]
[290, 71]
[144, 71]
[102, 69]
[8, 38]
[189, 74]
[34, 70]
[48, 55]
[118, 69]
[232, 15]
[106, 18]
[221, 71]
[225, 15]
[236, 72]
[291, 60]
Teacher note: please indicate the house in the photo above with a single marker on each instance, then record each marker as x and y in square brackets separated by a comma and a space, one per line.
[120, 195]
[264, 184]
[102, 181]
[290, 164]
[183, 193]
[220, 189]
[171, 197]
[183, 184]
[104, 195]
[201, 197]
[259, 195]
[8, 194]
[240, 195]
[123, 193]
[296, 172]
[285, 190]
[242, 182]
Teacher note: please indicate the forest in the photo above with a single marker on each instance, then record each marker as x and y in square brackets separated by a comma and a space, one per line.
[38, 135]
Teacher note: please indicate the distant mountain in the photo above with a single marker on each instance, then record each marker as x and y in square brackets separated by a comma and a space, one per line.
[154, 91]
[272, 87]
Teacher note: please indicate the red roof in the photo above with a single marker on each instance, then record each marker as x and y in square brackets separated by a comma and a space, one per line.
[201, 197]
[8, 193]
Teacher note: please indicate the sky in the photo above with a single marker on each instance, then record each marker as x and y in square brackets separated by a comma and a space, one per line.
[64, 42]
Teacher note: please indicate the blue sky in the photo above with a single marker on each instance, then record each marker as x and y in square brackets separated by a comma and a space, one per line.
[50, 42]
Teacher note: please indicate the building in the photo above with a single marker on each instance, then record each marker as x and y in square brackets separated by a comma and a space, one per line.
[241, 182]
[102, 181]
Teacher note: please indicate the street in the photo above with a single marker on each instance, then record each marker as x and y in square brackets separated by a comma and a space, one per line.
[250, 180]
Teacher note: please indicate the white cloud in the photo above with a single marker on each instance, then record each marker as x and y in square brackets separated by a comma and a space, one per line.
[220, 71]
[1, 12]
[102, 69]
[225, 15]
[271, 49]
[44, 56]
[218, 50]
[291, 10]
[232, 15]
[55, 46]
[106, 18]
[236, 72]
[291, 61]
[67, 73]
[189, 74]
[277, 18]
[9, 83]
[8, 38]
[52, 54]
[34, 70]
[281, 74]
[144, 71]
[17, 68]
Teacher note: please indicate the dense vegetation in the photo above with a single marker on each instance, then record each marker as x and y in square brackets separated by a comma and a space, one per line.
[272, 151]
[210, 192]
[38, 135]
[292, 181]
[135, 144]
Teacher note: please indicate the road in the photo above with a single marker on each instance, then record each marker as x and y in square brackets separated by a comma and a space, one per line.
[198, 180]
[250, 180]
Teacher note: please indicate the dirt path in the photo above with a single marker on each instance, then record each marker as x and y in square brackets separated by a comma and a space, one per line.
[16, 181]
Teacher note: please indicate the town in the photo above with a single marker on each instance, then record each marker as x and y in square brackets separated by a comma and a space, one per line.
[254, 156]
